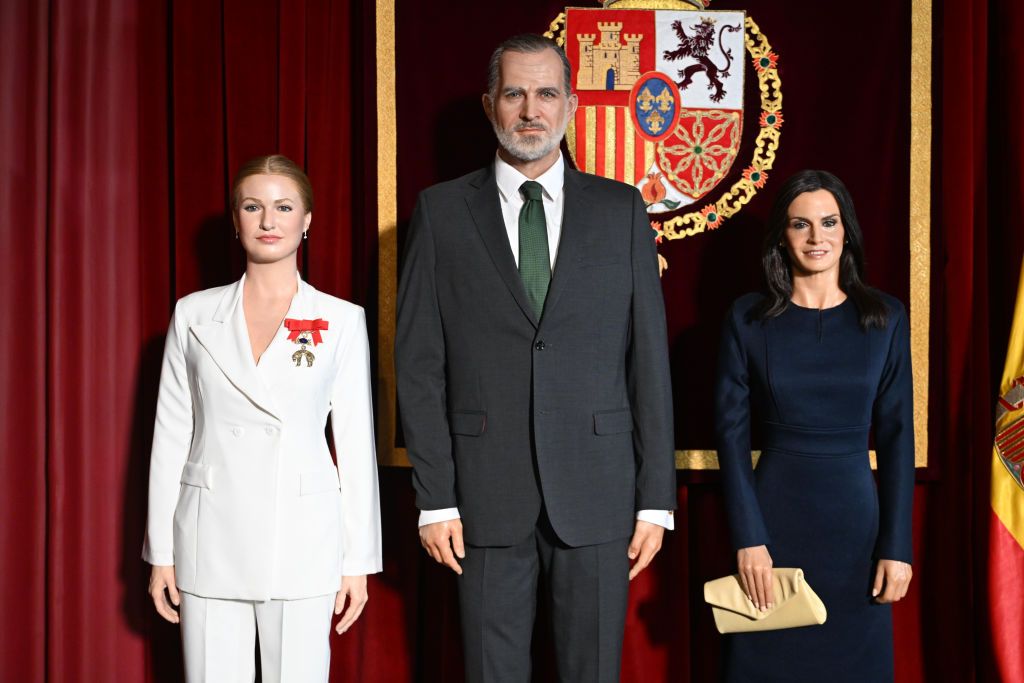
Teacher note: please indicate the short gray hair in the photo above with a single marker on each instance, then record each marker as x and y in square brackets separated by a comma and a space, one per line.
[529, 43]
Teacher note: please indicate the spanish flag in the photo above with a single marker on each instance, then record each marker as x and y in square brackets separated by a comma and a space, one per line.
[1006, 544]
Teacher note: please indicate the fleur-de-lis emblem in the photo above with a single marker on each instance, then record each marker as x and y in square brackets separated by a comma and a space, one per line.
[655, 121]
[645, 98]
[665, 100]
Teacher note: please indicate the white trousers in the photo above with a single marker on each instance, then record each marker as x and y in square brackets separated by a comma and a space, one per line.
[219, 639]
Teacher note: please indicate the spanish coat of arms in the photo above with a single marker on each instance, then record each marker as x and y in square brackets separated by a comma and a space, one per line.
[661, 104]
[1009, 441]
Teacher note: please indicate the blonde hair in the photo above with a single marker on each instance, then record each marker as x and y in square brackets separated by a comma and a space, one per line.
[274, 164]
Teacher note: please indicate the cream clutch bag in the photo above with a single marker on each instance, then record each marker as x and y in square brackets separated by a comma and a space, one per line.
[795, 604]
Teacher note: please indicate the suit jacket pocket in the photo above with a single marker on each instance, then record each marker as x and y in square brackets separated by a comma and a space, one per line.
[318, 481]
[613, 421]
[467, 422]
[197, 474]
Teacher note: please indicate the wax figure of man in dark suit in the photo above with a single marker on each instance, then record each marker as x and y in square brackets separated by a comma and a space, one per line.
[534, 387]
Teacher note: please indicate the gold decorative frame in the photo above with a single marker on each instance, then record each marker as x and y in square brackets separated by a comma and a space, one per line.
[920, 233]
[387, 238]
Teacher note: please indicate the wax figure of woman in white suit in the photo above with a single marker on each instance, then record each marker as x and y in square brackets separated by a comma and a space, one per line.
[250, 522]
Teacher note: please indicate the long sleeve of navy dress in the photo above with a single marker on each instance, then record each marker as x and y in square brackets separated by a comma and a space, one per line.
[811, 385]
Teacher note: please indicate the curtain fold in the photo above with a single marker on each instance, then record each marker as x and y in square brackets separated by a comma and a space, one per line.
[94, 282]
[24, 64]
[949, 531]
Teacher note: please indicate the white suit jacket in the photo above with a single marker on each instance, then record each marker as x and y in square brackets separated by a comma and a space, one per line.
[244, 499]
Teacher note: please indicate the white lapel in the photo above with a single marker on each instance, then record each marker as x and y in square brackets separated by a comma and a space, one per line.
[226, 339]
[278, 364]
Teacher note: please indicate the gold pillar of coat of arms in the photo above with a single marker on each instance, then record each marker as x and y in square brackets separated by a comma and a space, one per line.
[661, 92]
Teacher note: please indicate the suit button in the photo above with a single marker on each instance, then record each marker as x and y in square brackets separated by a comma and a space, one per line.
[237, 431]
[539, 345]
[270, 431]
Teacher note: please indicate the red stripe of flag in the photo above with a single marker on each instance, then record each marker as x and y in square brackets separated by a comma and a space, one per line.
[1006, 595]
[599, 143]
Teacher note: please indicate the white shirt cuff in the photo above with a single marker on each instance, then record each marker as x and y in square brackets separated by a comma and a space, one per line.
[435, 516]
[663, 518]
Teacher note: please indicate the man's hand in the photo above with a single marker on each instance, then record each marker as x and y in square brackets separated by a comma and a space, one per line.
[161, 578]
[354, 588]
[645, 545]
[892, 579]
[440, 539]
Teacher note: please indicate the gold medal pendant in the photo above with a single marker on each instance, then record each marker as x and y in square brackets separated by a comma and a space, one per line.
[298, 356]
[305, 332]
[303, 353]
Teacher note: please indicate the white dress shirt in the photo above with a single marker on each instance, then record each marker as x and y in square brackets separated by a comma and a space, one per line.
[552, 181]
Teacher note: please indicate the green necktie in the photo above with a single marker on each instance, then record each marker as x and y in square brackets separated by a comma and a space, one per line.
[534, 262]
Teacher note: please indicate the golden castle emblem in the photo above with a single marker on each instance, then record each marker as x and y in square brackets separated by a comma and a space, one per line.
[612, 64]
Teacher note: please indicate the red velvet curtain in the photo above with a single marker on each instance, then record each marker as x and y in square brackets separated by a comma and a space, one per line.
[120, 124]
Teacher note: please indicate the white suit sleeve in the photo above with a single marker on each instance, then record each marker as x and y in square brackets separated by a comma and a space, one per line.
[172, 439]
[352, 425]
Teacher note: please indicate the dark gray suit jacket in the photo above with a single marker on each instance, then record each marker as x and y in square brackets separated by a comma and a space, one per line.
[503, 413]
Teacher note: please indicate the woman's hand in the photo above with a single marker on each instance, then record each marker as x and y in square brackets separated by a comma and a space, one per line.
[162, 577]
[892, 579]
[354, 588]
[755, 568]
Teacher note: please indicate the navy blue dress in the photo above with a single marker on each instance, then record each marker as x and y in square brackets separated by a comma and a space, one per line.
[811, 385]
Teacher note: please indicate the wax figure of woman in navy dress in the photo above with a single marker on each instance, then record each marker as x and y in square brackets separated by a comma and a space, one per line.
[811, 367]
[251, 524]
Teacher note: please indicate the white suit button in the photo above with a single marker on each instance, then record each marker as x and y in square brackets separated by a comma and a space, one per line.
[270, 431]
[237, 431]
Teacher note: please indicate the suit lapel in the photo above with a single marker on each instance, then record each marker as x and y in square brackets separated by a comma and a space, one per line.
[576, 215]
[226, 339]
[277, 367]
[486, 211]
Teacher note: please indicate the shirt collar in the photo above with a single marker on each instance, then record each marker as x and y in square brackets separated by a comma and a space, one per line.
[510, 179]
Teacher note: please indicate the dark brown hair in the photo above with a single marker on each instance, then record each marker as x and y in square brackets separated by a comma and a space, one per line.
[778, 269]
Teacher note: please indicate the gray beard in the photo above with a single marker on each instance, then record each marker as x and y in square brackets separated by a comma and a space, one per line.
[528, 149]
